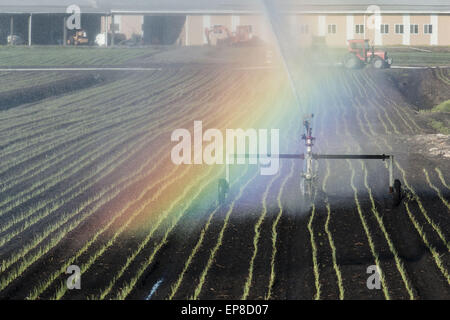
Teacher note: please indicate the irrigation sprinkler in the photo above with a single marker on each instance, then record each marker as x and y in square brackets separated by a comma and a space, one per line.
[309, 175]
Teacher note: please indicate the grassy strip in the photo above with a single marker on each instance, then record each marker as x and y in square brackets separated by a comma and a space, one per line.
[69, 56]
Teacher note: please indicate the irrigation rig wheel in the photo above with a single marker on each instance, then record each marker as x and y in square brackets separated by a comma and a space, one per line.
[223, 189]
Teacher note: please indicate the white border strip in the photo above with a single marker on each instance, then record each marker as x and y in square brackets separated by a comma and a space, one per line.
[223, 12]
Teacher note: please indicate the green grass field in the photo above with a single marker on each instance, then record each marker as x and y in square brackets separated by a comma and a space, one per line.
[93, 56]
[406, 56]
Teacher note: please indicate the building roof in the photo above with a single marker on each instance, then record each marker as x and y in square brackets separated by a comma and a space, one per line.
[221, 6]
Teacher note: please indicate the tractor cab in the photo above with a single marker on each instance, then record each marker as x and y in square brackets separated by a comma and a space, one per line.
[360, 48]
[217, 35]
[361, 53]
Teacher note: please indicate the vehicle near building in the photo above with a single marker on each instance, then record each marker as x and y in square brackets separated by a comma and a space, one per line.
[219, 35]
[15, 40]
[79, 38]
[361, 53]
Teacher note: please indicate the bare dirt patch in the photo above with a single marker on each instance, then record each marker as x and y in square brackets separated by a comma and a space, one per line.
[421, 88]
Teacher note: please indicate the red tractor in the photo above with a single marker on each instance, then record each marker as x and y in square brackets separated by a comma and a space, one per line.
[361, 53]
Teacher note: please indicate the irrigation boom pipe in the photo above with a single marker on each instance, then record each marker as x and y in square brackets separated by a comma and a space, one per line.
[316, 156]
[308, 175]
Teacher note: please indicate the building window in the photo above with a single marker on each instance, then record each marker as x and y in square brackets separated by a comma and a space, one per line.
[384, 29]
[428, 28]
[331, 28]
[414, 29]
[116, 27]
[304, 29]
[399, 29]
[359, 28]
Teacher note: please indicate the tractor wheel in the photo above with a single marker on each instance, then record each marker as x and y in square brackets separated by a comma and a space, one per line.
[397, 193]
[389, 62]
[378, 63]
[351, 61]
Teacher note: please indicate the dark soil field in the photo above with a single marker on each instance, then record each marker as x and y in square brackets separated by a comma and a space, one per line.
[86, 179]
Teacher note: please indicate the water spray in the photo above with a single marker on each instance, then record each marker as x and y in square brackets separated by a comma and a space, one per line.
[271, 12]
